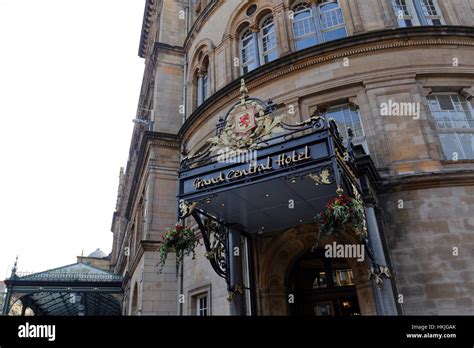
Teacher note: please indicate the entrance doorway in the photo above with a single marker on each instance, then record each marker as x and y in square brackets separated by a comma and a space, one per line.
[323, 287]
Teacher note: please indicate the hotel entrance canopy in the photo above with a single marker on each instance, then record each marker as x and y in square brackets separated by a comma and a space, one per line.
[271, 177]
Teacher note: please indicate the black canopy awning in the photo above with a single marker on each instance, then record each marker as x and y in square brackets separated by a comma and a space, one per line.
[260, 175]
[284, 182]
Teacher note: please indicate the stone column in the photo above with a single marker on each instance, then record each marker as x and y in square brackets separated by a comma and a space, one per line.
[384, 297]
[237, 304]
[281, 28]
[255, 30]
[355, 16]
[228, 41]
[389, 16]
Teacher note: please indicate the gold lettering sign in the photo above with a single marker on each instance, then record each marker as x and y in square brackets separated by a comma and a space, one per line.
[285, 161]
[282, 161]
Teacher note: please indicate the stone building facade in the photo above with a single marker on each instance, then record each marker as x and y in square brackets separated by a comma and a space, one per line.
[399, 73]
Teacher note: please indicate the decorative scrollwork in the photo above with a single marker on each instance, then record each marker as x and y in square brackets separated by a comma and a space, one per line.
[315, 121]
[325, 176]
[238, 289]
[379, 272]
[217, 239]
[214, 235]
[358, 198]
[185, 208]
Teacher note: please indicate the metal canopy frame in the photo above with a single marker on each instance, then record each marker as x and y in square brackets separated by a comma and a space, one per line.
[76, 289]
[339, 162]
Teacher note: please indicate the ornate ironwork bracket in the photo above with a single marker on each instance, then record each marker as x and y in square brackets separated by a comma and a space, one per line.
[379, 272]
[215, 237]
[238, 289]
[364, 236]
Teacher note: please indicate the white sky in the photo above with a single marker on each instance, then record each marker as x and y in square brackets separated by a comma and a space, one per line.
[70, 79]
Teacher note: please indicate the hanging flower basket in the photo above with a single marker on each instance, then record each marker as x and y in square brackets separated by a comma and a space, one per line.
[181, 240]
[341, 212]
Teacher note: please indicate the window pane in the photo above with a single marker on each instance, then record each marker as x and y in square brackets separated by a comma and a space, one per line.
[202, 305]
[467, 143]
[343, 277]
[328, 6]
[401, 7]
[335, 34]
[267, 39]
[270, 57]
[451, 111]
[331, 18]
[304, 28]
[346, 117]
[431, 12]
[320, 281]
[306, 42]
[248, 51]
[445, 116]
[429, 8]
[434, 106]
[332, 22]
[404, 11]
[450, 145]
[445, 102]
[204, 87]
[337, 114]
[459, 120]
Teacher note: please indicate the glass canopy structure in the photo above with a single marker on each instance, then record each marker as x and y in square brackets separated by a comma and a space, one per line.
[75, 290]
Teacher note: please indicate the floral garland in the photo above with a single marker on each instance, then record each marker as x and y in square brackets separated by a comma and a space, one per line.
[340, 212]
[181, 240]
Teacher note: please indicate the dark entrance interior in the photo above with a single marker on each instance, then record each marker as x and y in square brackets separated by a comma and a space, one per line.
[322, 287]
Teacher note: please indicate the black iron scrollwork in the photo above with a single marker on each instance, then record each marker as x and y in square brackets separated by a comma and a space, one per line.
[270, 107]
[214, 234]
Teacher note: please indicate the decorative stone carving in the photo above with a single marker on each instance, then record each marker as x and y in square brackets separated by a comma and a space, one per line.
[468, 93]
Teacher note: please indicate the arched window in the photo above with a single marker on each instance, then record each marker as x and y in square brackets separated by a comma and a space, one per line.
[431, 12]
[417, 12]
[267, 40]
[331, 20]
[202, 81]
[304, 26]
[248, 51]
[258, 48]
[313, 24]
[195, 89]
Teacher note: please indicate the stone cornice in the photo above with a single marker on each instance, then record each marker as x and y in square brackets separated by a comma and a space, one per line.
[150, 245]
[150, 7]
[353, 45]
[461, 177]
[136, 259]
[164, 47]
[145, 245]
